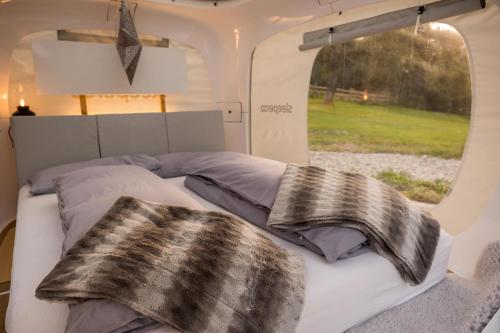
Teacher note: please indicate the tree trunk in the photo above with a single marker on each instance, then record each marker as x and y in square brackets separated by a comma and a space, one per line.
[334, 79]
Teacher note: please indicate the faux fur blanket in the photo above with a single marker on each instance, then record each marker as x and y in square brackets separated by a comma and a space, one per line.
[397, 229]
[197, 271]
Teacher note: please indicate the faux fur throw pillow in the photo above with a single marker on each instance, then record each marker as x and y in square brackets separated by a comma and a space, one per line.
[197, 271]
[397, 229]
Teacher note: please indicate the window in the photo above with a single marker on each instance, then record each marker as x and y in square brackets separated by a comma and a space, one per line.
[23, 84]
[395, 106]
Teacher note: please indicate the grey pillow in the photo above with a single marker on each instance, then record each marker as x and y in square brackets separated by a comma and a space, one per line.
[84, 196]
[255, 179]
[42, 182]
[171, 164]
[331, 242]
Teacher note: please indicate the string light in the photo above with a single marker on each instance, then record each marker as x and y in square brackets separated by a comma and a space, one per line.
[365, 96]
[237, 38]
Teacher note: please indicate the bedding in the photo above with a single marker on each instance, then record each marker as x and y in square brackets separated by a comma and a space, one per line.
[337, 296]
[90, 315]
[84, 196]
[310, 197]
[42, 182]
[198, 271]
[171, 164]
[253, 178]
[257, 180]
[331, 242]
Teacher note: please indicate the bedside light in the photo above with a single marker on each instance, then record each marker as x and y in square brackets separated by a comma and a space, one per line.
[23, 109]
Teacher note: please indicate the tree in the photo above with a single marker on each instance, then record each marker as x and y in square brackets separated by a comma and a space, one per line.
[427, 71]
[334, 63]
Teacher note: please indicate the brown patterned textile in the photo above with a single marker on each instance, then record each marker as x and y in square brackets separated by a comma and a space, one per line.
[397, 229]
[198, 271]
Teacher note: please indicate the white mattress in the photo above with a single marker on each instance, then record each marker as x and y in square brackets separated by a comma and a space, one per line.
[338, 295]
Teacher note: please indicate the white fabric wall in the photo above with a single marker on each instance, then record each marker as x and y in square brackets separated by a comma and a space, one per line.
[281, 74]
[280, 88]
[480, 170]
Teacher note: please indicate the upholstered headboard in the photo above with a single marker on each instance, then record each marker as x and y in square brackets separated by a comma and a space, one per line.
[42, 142]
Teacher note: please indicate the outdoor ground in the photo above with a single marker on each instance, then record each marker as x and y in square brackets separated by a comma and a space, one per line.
[363, 128]
[418, 152]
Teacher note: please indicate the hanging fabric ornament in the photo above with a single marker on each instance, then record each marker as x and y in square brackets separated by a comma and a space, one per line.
[128, 44]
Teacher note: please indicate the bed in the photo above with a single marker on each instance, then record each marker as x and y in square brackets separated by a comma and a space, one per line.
[337, 297]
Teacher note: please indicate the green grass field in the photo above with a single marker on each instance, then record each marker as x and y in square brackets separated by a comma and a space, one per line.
[419, 190]
[354, 127]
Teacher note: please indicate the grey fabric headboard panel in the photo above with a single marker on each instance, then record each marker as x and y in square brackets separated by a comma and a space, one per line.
[132, 134]
[41, 142]
[202, 132]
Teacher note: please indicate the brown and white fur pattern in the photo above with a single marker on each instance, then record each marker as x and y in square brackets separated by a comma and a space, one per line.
[197, 271]
[397, 229]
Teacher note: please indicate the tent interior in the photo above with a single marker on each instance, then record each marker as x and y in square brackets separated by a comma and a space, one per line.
[232, 76]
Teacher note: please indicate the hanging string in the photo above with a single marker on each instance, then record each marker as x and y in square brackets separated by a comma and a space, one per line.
[421, 10]
[330, 36]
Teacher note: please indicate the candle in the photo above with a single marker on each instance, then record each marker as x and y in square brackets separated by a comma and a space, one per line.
[23, 109]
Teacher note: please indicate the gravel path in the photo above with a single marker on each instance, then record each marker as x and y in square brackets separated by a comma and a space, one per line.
[420, 167]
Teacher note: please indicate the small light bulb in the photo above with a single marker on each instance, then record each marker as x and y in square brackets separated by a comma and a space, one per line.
[21, 102]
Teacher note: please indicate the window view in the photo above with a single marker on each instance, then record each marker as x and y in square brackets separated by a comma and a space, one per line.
[395, 106]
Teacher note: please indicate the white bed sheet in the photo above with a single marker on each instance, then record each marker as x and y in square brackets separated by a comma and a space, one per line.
[338, 295]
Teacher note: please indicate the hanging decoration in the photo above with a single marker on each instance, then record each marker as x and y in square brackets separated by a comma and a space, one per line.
[128, 44]
[421, 10]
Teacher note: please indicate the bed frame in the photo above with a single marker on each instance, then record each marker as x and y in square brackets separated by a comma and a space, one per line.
[42, 142]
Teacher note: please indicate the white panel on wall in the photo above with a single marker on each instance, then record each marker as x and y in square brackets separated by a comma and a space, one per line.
[90, 68]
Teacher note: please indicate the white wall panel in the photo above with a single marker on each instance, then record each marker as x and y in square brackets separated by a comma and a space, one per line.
[480, 171]
[65, 68]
